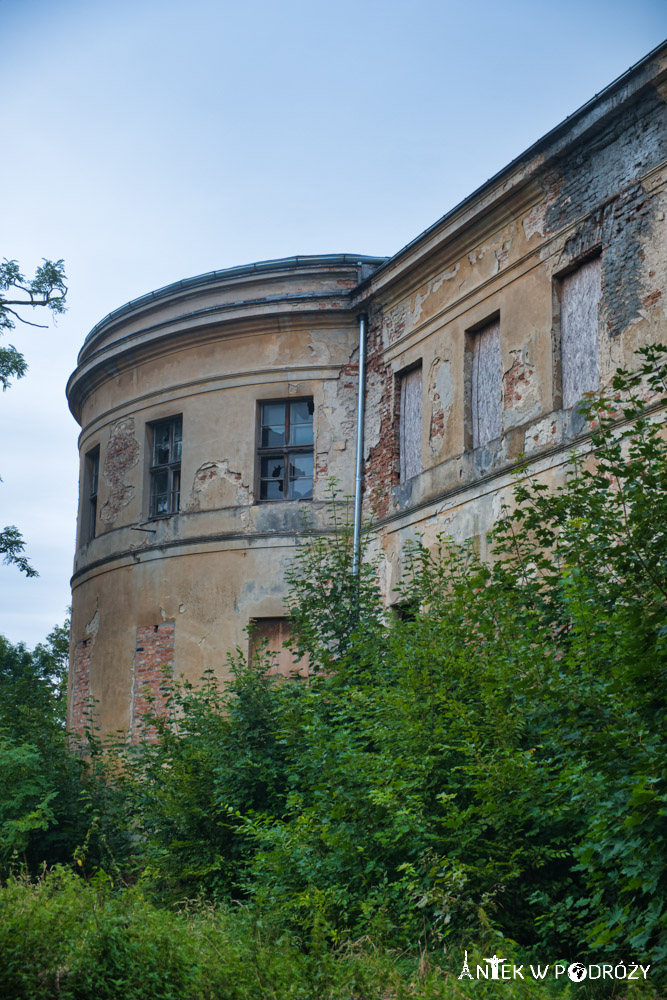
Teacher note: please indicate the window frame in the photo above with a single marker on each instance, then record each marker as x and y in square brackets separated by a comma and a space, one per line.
[172, 468]
[282, 451]
[91, 491]
[560, 366]
[282, 661]
[471, 418]
[404, 462]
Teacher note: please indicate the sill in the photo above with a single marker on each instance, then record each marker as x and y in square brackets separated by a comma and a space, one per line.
[288, 500]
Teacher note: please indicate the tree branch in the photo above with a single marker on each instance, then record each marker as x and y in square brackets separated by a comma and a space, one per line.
[42, 326]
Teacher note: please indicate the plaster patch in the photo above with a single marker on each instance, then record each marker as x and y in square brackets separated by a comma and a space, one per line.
[320, 349]
[521, 391]
[373, 409]
[93, 626]
[215, 485]
[542, 434]
[534, 223]
[395, 321]
[121, 455]
[432, 286]
[440, 393]
[502, 255]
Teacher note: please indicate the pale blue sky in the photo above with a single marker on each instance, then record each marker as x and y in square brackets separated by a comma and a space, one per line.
[154, 140]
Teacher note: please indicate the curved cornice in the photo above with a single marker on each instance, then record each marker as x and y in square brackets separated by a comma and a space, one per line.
[358, 265]
[239, 301]
[147, 344]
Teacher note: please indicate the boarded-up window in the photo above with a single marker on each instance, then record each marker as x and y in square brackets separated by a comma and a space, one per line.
[270, 635]
[486, 385]
[580, 303]
[410, 440]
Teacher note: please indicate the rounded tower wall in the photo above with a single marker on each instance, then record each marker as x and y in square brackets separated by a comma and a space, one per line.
[212, 420]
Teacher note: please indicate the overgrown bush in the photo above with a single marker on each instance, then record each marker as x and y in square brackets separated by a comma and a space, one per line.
[488, 769]
[41, 811]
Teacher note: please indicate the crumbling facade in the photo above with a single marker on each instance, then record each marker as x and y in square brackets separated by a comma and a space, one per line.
[215, 410]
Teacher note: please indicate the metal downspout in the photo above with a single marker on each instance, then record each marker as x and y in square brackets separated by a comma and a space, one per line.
[358, 477]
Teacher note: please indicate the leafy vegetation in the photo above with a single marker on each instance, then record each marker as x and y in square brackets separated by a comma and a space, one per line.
[486, 771]
[46, 290]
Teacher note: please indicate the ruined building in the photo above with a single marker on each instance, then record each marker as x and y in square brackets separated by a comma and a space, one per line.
[214, 410]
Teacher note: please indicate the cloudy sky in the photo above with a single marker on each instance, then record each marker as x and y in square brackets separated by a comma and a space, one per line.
[152, 140]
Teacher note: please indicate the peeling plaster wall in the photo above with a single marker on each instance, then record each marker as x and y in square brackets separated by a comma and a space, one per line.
[121, 455]
[80, 697]
[595, 227]
[522, 396]
[215, 485]
[441, 397]
[180, 590]
[596, 190]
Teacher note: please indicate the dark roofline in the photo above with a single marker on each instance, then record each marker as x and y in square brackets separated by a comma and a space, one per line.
[241, 271]
[531, 151]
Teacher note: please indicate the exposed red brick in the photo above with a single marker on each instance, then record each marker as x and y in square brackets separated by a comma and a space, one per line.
[80, 705]
[382, 468]
[515, 382]
[154, 652]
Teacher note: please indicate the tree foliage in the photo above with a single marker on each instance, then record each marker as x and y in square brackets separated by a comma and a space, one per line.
[488, 768]
[42, 807]
[46, 290]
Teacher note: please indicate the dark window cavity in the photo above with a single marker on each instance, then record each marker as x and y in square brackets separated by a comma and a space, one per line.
[92, 475]
[165, 470]
[286, 450]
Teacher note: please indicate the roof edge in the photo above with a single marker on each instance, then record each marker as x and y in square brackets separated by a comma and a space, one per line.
[549, 138]
[240, 271]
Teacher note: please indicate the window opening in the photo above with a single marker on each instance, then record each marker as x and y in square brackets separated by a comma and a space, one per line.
[486, 385]
[269, 635]
[410, 424]
[92, 477]
[166, 467]
[579, 307]
[286, 450]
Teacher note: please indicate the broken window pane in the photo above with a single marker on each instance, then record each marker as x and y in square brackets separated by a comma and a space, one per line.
[161, 441]
[273, 425]
[300, 465]
[301, 476]
[166, 468]
[286, 474]
[301, 422]
[273, 436]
